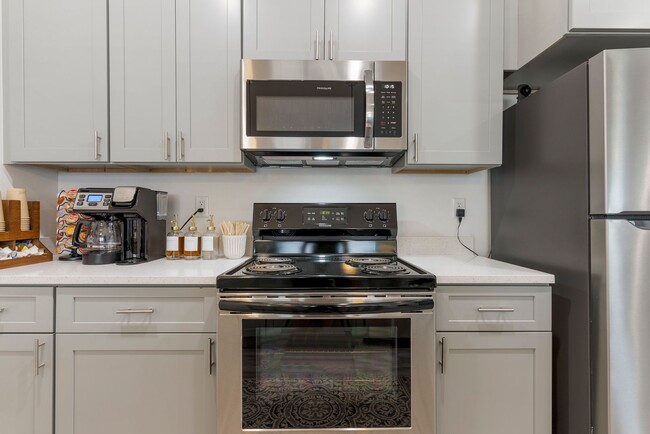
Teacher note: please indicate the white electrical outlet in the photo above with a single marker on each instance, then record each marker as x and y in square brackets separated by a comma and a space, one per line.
[459, 203]
[202, 202]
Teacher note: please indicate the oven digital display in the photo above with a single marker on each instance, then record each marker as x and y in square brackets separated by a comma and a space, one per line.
[95, 197]
[329, 216]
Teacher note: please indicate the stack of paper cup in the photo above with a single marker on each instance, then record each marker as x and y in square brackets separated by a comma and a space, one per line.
[3, 226]
[19, 194]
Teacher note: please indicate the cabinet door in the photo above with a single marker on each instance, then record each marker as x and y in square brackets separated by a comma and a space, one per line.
[143, 80]
[494, 383]
[55, 80]
[363, 30]
[284, 29]
[208, 50]
[26, 398]
[134, 384]
[609, 14]
[455, 87]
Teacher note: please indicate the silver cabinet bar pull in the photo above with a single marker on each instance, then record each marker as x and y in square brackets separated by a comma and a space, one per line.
[131, 311]
[211, 344]
[317, 45]
[37, 356]
[415, 148]
[180, 146]
[442, 355]
[98, 139]
[495, 309]
[331, 46]
[166, 151]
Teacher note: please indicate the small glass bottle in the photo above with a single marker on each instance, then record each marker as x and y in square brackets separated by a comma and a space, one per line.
[192, 248]
[174, 249]
[210, 241]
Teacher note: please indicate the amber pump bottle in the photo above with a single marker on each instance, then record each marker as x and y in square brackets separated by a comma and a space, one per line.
[192, 248]
[174, 249]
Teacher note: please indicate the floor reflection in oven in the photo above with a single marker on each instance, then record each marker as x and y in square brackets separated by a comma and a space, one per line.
[326, 403]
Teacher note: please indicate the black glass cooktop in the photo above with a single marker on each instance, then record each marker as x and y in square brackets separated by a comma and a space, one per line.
[295, 273]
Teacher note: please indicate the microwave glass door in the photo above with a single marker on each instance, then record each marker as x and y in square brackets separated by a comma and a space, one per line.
[287, 108]
[326, 373]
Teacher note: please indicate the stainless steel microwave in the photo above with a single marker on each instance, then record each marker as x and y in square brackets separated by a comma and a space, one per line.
[317, 113]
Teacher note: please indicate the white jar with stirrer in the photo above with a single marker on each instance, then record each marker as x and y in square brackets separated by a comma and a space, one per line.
[234, 239]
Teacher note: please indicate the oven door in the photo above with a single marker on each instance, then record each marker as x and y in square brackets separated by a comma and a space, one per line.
[326, 364]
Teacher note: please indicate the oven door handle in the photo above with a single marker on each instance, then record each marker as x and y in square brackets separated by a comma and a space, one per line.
[314, 308]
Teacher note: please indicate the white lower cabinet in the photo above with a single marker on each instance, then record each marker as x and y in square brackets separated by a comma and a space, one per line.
[135, 384]
[494, 383]
[26, 374]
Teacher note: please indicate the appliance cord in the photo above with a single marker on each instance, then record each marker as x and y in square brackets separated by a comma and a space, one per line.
[198, 210]
[460, 220]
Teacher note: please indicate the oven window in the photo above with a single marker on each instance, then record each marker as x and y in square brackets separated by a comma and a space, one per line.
[326, 373]
[283, 108]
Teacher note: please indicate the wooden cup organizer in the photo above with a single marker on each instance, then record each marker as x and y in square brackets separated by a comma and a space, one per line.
[13, 234]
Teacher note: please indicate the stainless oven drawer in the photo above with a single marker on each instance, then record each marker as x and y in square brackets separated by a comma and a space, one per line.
[493, 308]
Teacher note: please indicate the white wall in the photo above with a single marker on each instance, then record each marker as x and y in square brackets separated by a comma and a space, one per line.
[424, 201]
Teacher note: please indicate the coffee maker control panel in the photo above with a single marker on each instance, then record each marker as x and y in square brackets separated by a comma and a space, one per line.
[93, 200]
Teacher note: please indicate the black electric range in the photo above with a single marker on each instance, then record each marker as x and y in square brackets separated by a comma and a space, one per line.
[325, 247]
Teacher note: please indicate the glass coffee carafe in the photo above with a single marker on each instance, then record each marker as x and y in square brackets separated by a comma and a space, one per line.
[103, 240]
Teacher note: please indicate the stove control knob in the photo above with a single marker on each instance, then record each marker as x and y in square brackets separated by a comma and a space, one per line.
[383, 215]
[280, 215]
[265, 215]
[369, 215]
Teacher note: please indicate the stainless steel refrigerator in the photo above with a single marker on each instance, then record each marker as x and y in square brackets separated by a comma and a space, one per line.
[573, 199]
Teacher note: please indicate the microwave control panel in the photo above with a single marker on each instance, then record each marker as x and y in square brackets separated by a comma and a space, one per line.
[388, 109]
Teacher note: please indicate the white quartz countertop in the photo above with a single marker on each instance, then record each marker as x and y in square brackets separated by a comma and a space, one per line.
[477, 270]
[449, 270]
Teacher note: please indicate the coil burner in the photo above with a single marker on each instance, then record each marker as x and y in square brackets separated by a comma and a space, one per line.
[273, 260]
[362, 262]
[272, 269]
[384, 269]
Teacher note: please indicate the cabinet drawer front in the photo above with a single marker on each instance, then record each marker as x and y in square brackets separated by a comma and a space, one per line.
[26, 310]
[493, 308]
[137, 310]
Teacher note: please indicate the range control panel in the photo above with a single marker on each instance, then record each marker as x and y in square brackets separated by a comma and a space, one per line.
[294, 216]
[388, 109]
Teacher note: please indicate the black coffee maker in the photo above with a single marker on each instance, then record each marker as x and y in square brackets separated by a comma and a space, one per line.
[127, 225]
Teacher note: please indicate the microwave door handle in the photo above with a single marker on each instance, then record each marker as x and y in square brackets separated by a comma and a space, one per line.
[370, 109]
[275, 307]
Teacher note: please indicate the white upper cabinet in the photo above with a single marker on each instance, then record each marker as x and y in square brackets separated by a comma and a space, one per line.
[55, 80]
[174, 81]
[325, 29]
[609, 14]
[283, 29]
[143, 80]
[557, 35]
[455, 88]
[365, 30]
[208, 86]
